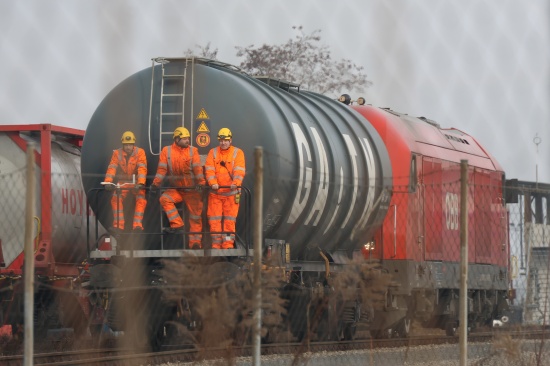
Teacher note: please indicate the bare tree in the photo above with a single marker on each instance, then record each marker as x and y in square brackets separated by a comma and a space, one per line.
[305, 61]
[202, 51]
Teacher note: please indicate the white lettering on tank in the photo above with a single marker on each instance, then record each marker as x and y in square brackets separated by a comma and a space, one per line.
[339, 200]
[370, 186]
[304, 181]
[353, 157]
[322, 193]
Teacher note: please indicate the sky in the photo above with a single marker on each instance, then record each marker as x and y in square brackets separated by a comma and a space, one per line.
[478, 66]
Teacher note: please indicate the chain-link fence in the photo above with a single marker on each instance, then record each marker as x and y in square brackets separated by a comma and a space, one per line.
[449, 62]
[402, 283]
[529, 242]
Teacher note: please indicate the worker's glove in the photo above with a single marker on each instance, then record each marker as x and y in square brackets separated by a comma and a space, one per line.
[199, 188]
[215, 187]
[109, 187]
[154, 189]
[137, 188]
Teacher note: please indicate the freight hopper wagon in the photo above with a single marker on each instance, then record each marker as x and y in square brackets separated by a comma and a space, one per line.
[59, 227]
[419, 242]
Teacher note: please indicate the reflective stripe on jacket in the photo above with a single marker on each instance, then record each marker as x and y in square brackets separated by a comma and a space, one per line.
[122, 167]
[231, 171]
[182, 165]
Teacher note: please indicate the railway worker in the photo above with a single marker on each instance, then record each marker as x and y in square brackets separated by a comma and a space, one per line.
[225, 167]
[182, 163]
[125, 163]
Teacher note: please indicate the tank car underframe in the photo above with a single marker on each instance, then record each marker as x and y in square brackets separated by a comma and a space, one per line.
[329, 314]
[139, 302]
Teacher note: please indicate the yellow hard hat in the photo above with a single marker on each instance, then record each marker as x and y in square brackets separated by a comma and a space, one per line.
[128, 137]
[181, 132]
[225, 134]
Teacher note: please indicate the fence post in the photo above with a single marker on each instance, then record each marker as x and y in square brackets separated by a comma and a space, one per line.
[257, 210]
[29, 258]
[463, 297]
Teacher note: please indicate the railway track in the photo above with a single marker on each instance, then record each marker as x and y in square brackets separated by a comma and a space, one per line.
[127, 357]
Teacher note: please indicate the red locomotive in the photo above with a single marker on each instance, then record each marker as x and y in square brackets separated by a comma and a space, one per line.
[341, 183]
[420, 239]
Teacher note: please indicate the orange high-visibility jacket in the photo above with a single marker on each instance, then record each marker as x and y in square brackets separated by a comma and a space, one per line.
[232, 173]
[122, 167]
[183, 165]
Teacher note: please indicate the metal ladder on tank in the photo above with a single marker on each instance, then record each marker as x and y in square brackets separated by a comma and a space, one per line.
[190, 63]
[181, 80]
[164, 97]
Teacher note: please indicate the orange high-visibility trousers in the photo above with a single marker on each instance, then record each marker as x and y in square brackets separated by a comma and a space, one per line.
[193, 201]
[222, 207]
[118, 208]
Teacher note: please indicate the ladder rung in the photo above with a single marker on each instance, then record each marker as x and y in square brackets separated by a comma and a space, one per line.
[173, 76]
[173, 95]
[172, 114]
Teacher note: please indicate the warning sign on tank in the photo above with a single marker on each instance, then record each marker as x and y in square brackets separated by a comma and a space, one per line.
[203, 139]
[202, 114]
[203, 128]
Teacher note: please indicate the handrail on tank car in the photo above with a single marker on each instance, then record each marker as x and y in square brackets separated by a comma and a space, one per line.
[199, 60]
[118, 188]
[245, 192]
[118, 185]
[88, 195]
[246, 195]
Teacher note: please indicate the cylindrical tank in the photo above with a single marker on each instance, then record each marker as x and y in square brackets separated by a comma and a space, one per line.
[68, 211]
[325, 167]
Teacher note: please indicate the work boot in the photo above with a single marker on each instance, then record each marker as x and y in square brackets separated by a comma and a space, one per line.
[195, 246]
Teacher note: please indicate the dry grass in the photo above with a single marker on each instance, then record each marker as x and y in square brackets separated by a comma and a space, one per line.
[220, 296]
[363, 280]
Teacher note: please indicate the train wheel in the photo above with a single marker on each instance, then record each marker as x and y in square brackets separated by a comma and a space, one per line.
[157, 339]
[451, 328]
[71, 314]
[329, 332]
[323, 332]
[381, 333]
[403, 330]
[349, 332]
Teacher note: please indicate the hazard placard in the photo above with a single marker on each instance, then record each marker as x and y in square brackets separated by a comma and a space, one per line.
[202, 114]
[203, 140]
[203, 128]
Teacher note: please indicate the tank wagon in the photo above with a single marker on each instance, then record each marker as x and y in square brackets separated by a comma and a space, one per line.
[60, 227]
[327, 173]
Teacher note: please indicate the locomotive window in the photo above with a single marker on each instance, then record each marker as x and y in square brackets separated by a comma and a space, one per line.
[412, 178]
